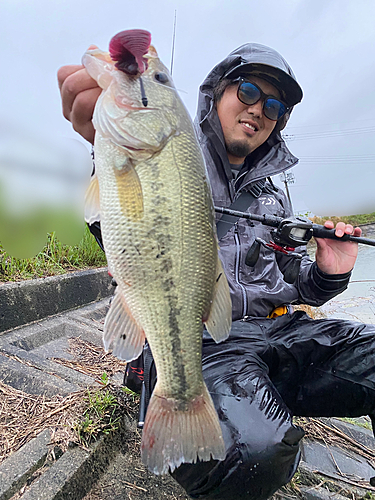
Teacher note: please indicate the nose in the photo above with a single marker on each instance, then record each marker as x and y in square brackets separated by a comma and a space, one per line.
[256, 109]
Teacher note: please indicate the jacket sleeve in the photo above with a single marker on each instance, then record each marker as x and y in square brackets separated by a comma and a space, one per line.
[313, 285]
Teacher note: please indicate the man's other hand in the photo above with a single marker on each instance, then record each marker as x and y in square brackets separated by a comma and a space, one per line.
[337, 257]
[79, 93]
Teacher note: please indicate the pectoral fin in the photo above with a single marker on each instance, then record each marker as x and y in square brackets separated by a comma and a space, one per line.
[129, 191]
[92, 203]
[219, 319]
[121, 332]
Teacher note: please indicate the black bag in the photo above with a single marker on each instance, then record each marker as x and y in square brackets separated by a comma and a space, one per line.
[134, 374]
[141, 372]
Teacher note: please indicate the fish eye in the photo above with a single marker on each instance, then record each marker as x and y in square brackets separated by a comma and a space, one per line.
[161, 78]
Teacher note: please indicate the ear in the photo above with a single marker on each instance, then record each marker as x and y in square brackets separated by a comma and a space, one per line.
[281, 124]
[99, 66]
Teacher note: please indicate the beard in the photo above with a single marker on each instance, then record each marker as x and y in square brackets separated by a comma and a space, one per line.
[238, 149]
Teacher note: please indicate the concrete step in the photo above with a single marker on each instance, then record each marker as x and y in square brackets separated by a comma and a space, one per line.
[27, 352]
[37, 320]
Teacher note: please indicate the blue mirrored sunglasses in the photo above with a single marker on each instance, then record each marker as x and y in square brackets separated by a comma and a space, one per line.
[249, 93]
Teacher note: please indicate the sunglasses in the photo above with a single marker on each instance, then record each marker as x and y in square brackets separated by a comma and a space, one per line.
[249, 93]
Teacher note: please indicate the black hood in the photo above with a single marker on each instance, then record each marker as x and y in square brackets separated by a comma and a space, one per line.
[271, 158]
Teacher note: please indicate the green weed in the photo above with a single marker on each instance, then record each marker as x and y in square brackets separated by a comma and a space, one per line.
[99, 417]
[133, 395]
[104, 379]
[369, 496]
[55, 258]
[354, 421]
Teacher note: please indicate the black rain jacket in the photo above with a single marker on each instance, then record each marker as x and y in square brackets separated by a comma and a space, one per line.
[256, 291]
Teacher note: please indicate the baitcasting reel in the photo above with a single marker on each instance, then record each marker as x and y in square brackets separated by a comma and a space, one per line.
[289, 234]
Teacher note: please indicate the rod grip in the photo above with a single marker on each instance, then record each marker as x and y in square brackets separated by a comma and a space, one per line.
[323, 232]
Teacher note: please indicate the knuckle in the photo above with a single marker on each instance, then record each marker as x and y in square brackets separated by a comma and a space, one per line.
[83, 108]
[65, 73]
[60, 76]
[66, 114]
[70, 86]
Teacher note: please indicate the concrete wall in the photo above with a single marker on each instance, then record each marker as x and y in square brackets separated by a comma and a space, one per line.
[32, 300]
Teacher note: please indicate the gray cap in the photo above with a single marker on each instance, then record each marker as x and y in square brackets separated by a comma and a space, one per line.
[269, 65]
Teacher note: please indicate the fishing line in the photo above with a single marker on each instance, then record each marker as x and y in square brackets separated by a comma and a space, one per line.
[325, 135]
[173, 40]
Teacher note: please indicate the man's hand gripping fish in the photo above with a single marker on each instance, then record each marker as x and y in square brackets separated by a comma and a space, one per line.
[159, 235]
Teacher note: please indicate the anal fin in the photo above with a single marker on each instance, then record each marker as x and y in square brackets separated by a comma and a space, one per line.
[121, 332]
[219, 318]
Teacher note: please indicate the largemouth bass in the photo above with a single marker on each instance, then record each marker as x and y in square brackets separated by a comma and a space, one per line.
[159, 235]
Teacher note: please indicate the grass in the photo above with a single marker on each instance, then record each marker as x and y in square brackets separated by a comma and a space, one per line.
[79, 418]
[354, 220]
[55, 258]
[354, 421]
[99, 417]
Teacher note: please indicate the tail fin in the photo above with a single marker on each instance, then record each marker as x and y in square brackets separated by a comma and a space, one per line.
[172, 436]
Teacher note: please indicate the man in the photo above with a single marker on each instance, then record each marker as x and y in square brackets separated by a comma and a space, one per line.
[273, 365]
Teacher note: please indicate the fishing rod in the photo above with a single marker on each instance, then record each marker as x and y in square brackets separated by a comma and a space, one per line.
[289, 233]
[173, 40]
[295, 231]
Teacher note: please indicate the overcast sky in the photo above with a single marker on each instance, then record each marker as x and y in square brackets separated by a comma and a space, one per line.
[330, 45]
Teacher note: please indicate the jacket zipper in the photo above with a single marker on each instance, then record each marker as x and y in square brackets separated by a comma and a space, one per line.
[237, 270]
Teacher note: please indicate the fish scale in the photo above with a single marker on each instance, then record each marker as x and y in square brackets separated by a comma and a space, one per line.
[185, 261]
[158, 231]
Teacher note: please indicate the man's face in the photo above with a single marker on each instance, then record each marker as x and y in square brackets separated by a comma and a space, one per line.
[245, 127]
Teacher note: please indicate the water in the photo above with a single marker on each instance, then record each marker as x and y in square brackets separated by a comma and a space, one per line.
[358, 301]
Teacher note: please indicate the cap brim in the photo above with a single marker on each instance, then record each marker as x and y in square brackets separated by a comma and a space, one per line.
[290, 91]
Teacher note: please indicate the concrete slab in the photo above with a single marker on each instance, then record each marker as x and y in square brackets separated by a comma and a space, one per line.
[31, 337]
[25, 363]
[32, 380]
[357, 432]
[15, 471]
[336, 461]
[318, 484]
[31, 300]
[59, 477]
[73, 475]
[36, 335]
[33, 346]
[316, 493]
[47, 366]
[127, 477]
[93, 313]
